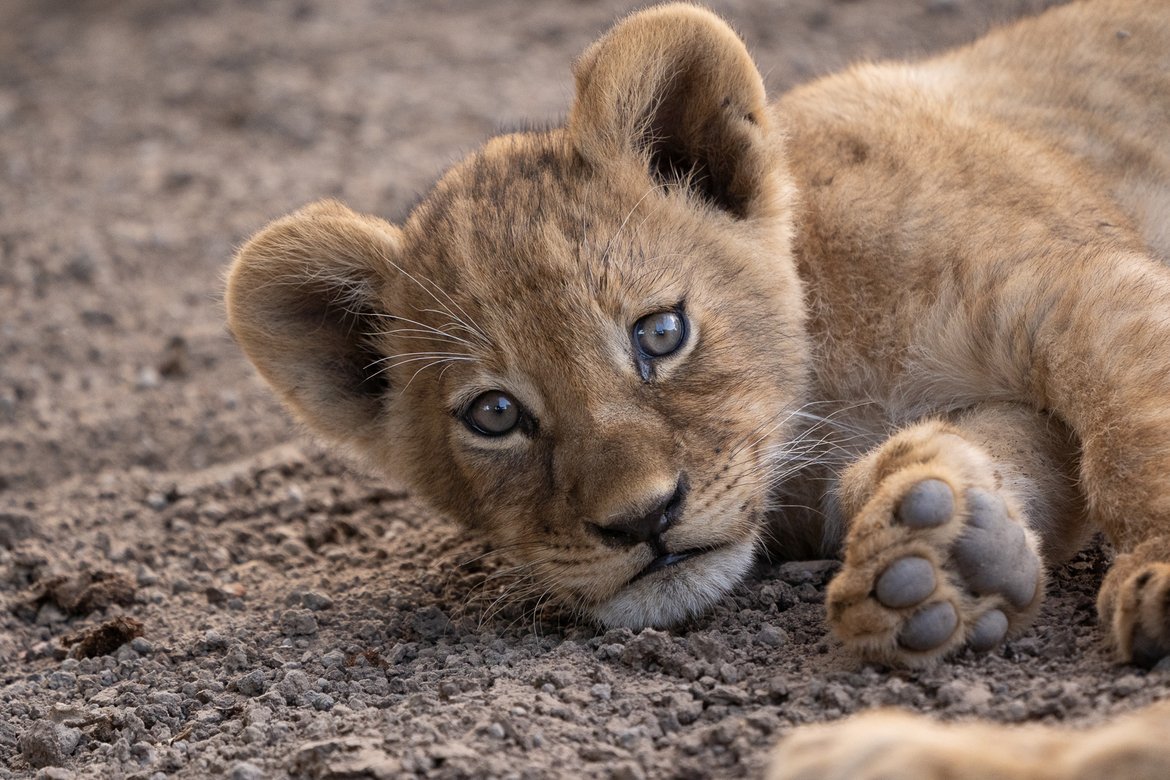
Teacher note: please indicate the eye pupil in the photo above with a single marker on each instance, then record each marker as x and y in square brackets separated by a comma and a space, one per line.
[493, 413]
[660, 334]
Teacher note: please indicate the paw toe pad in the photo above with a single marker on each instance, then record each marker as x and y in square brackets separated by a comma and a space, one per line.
[929, 627]
[906, 582]
[928, 504]
[989, 630]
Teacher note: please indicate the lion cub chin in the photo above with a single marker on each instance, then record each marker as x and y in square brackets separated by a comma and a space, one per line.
[677, 593]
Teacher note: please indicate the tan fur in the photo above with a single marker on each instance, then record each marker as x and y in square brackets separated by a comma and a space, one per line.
[951, 270]
[886, 744]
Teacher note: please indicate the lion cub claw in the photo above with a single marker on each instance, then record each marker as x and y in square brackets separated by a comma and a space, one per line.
[932, 565]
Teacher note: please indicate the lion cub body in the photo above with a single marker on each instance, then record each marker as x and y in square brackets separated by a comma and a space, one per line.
[919, 317]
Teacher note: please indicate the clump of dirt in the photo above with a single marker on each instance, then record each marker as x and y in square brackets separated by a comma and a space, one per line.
[103, 639]
[80, 594]
[257, 608]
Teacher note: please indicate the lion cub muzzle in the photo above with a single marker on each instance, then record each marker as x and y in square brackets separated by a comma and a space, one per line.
[645, 527]
[649, 528]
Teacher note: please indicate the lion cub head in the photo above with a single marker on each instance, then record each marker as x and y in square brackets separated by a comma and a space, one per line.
[586, 342]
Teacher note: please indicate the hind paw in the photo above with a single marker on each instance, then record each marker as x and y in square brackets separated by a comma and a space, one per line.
[1134, 604]
[934, 562]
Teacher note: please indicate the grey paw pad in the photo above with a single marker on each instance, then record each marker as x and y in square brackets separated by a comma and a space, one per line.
[929, 627]
[906, 582]
[928, 504]
[992, 553]
[988, 631]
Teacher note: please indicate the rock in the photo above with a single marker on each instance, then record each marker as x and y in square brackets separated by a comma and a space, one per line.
[316, 601]
[252, 684]
[298, 622]
[320, 701]
[350, 757]
[602, 691]
[430, 623]
[142, 646]
[246, 771]
[14, 528]
[45, 743]
[649, 646]
[801, 572]
[87, 591]
[294, 685]
[771, 636]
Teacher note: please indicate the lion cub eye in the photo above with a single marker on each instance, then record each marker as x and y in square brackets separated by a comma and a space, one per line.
[660, 333]
[493, 413]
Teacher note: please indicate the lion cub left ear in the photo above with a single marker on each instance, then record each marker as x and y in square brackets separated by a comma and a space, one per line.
[674, 88]
[303, 297]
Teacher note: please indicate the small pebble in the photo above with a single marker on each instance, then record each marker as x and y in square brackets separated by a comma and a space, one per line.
[334, 659]
[320, 701]
[148, 378]
[772, 636]
[602, 691]
[246, 771]
[298, 622]
[252, 684]
[316, 601]
[45, 743]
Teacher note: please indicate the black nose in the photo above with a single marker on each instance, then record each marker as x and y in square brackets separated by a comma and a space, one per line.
[647, 526]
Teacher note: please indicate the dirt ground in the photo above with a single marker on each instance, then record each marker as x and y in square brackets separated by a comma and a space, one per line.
[189, 587]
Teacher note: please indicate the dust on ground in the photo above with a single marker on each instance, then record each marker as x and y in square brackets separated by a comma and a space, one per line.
[189, 587]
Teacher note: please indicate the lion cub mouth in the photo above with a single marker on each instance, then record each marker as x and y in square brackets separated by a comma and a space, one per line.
[665, 592]
[666, 560]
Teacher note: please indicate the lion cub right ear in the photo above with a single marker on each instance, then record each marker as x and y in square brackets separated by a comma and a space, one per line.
[673, 88]
[303, 296]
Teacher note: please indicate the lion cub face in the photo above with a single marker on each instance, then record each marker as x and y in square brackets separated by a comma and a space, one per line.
[586, 342]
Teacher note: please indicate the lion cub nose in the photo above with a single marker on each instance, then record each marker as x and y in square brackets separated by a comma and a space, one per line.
[644, 527]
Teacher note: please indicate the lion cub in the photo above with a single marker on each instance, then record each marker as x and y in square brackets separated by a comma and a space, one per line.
[917, 314]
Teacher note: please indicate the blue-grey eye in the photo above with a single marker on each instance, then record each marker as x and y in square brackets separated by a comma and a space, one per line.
[493, 413]
[660, 333]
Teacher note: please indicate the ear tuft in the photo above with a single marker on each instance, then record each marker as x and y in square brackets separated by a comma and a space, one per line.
[675, 88]
[302, 297]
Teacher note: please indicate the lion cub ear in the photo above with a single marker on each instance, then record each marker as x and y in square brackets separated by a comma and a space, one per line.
[303, 296]
[675, 88]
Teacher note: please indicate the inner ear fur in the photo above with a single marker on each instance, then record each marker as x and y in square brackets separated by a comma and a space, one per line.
[302, 297]
[675, 87]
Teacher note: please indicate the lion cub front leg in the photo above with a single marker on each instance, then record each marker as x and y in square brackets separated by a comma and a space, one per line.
[949, 525]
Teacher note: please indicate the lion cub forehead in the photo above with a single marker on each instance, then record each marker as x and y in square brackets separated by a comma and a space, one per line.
[521, 189]
[526, 224]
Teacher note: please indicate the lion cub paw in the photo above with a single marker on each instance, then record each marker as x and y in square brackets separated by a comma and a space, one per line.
[1134, 603]
[930, 567]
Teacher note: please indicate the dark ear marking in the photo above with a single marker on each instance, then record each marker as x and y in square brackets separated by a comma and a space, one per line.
[705, 162]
